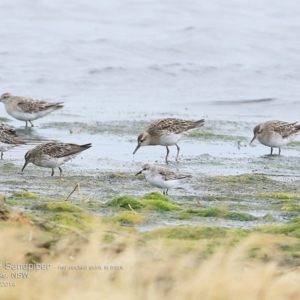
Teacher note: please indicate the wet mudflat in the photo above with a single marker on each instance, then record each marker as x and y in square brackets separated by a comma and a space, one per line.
[234, 185]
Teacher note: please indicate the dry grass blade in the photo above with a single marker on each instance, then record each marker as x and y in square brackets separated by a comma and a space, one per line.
[81, 199]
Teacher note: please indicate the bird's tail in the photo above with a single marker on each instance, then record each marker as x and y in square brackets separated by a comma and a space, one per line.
[86, 146]
[195, 124]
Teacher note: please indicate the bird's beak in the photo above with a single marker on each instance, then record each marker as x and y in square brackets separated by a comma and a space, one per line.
[253, 139]
[140, 172]
[137, 148]
[24, 166]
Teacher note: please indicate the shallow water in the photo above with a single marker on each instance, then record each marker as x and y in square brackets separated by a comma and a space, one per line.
[123, 64]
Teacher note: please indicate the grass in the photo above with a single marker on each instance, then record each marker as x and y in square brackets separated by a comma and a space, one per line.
[125, 202]
[58, 207]
[290, 229]
[24, 194]
[152, 201]
[135, 266]
[190, 233]
[217, 213]
[109, 261]
[128, 218]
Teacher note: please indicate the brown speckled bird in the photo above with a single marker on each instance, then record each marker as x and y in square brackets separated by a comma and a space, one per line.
[166, 132]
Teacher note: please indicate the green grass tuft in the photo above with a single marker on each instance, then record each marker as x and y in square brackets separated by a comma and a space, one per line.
[125, 201]
[158, 201]
[58, 207]
[128, 217]
[278, 196]
[193, 233]
[156, 196]
[23, 194]
[243, 178]
[218, 213]
[290, 229]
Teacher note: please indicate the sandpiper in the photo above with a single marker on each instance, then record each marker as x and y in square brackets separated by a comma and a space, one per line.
[161, 177]
[8, 139]
[27, 109]
[53, 154]
[275, 134]
[166, 132]
[8, 129]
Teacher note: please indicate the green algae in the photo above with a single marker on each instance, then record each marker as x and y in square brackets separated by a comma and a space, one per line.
[18, 202]
[286, 229]
[5, 120]
[152, 201]
[243, 178]
[125, 202]
[62, 218]
[295, 220]
[118, 175]
[156, 196]
[291, 207]
[216, 198]
[210, 136]
[58, 207]
[278, 196]
[159, 202]
[187, 232]
[128, 217]
[294, 144]
[161, 205]
[80, 221]
[23, 194]
[74, 126]
[217, 213]
[269, 218]
[9, 165]
[290, 229]
[114, 127]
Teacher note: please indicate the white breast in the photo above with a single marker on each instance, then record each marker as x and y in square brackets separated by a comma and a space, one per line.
[159, 182]
[274, 140]
[5, 147]
[170, 139]
[51, 162]
[26, 116]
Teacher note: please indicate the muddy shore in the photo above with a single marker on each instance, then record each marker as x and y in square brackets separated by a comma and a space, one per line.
[228, 174]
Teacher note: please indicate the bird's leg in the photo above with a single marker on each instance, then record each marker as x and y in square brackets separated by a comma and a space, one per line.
[166, 193]
[178, 149]
[26, 124]
[31, 124]
[167, 154]
[52, 173]
[60, 171]
[1, 155]
[279, 151]
[271, 151]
